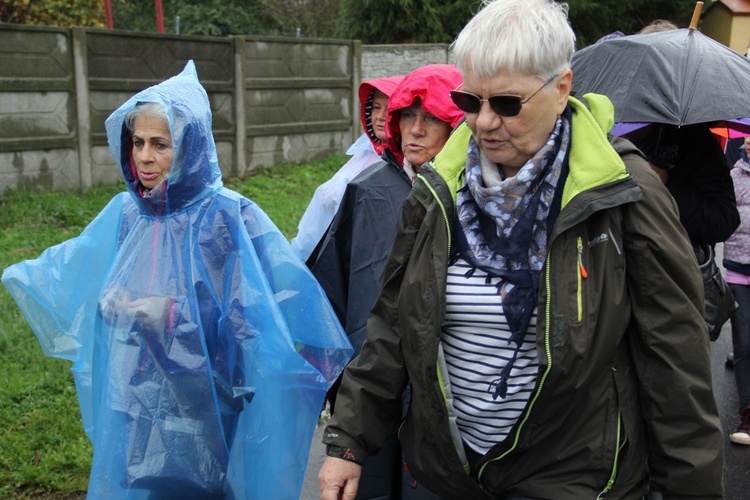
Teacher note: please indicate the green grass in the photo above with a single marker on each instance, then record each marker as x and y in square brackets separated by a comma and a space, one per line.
[44, 452]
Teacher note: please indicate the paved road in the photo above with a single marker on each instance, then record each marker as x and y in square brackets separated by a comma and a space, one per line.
[315, 462]
[736, 457]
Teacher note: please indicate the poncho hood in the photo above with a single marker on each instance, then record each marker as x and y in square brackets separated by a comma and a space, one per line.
[432, 85]
[366, 92]
[195, 170]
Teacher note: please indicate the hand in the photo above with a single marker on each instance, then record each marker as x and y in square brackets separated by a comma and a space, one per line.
[113, 302]
[151, 312]
[338, 479]
[662, 174]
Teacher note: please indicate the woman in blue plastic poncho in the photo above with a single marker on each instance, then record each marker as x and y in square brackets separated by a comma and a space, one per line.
[202, 346]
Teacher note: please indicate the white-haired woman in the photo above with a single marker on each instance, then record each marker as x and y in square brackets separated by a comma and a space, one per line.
[541, 297]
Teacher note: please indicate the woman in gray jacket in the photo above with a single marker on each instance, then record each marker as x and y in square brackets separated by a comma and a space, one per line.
[541, 297]
[737, 265]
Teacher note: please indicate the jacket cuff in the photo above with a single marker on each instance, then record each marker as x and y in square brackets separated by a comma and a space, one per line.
[346, 453]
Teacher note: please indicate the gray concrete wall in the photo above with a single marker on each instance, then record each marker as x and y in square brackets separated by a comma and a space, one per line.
[379, 61]
[273, 99]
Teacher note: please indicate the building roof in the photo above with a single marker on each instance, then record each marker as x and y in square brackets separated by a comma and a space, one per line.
[735, 6]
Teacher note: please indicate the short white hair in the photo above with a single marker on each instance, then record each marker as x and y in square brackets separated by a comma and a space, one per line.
[148, 109]
[531, 37]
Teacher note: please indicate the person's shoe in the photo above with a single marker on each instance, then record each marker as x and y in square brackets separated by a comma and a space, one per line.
[742, 434]
[730, 360]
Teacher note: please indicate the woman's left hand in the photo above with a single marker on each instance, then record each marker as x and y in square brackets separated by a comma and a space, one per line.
[151, 312]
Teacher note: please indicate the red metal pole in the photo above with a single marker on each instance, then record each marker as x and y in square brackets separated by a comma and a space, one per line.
[109, 20]
[159, 16]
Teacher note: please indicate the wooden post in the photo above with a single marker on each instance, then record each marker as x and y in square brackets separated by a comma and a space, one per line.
[696, 15]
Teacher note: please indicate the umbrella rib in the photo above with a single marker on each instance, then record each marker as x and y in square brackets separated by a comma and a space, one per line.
[686, 100]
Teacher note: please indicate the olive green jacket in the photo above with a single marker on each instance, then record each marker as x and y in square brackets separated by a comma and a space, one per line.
[624, 384]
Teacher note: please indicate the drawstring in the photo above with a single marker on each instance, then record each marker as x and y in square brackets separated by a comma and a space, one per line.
[518, 329]
[499, 386]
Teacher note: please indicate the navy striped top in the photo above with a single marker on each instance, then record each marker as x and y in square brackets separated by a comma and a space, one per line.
[476, 342]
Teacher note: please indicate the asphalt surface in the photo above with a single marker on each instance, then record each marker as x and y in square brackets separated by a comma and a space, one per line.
[314, 463]
[736, 457]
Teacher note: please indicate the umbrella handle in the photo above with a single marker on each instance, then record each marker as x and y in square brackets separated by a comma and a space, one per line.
[696, 15]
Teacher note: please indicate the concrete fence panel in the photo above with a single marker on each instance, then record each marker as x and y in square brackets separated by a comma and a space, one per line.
[37, 109]
[273, 99]
[380, 61]
[298, 99]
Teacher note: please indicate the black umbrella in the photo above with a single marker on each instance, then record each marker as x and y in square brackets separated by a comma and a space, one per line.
[679, 77]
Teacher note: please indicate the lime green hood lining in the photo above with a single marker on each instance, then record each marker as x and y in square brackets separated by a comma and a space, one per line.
[592, 160]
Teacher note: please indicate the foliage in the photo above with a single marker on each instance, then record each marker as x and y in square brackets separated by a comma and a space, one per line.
[314, 18]
[53, 12]
[43, 450]
[372, 21]
[592, 19]
[197, 17]
[405, 21]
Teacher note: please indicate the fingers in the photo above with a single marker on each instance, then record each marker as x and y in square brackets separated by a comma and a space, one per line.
[338, 479]
[113, 301]
[151, 312]
[329, 493]
[118, 305]
[350, 489]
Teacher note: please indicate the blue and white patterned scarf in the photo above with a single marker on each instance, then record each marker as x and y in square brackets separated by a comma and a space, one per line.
[503, 228]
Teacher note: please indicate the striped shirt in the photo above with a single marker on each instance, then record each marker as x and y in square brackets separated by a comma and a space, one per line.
[476, 345]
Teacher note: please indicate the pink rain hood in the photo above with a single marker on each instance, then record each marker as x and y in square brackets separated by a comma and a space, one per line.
[366, 90]
[432, 85]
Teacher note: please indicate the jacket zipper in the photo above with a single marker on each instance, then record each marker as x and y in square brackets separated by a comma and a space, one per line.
[548, 353]
[442, 209]
[618, 449]
[582, 275]
[441, 382]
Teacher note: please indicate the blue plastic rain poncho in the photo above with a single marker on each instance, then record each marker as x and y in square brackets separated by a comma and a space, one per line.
[202, 346]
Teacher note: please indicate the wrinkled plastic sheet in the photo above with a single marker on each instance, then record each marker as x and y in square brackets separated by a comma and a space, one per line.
[202, 347]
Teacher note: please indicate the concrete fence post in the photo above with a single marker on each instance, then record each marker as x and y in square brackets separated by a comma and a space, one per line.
[83, 118]
[240, 162]
[356, 80]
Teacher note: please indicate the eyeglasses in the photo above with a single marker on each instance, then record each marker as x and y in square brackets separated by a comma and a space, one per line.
[503, 105]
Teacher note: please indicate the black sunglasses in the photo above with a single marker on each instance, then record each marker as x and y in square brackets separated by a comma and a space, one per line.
[503, 105]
